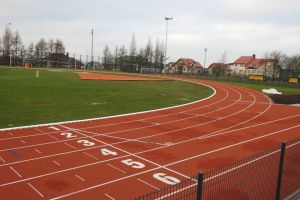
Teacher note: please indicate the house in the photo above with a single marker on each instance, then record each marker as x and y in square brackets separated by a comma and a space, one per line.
[246, 65]
[218, 69]
[171, 68]
[185, 66]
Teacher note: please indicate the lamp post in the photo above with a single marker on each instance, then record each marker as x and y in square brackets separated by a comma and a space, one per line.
[205, 50]
[167, 19]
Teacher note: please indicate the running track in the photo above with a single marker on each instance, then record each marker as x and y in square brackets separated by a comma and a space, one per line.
[126, 156]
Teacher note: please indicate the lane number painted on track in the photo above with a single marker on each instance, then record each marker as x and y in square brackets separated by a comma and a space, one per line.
[68, 135]
[86, 143]
[54, 128]
[107, 152]
[166, 179]
[133, 164]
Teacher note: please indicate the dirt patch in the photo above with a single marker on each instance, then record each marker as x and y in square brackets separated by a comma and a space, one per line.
[285, 99]
[110, 77]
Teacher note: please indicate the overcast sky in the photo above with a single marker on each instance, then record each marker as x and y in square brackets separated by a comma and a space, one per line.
[239, 27]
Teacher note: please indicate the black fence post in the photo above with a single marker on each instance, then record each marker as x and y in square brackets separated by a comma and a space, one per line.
[278, 188]
[200, 186]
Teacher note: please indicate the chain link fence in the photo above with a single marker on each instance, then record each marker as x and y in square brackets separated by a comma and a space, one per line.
[272, 174]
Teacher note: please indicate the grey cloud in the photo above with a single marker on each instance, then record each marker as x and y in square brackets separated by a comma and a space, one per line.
[236, 26]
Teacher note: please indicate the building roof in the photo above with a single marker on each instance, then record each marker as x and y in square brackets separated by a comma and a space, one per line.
[251, 62]
[244, 59]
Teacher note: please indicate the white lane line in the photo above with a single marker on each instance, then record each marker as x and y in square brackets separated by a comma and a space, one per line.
[225, 172]
[39, 193]
[56, 162]
[52, 137]
[80, 178]
[70, 145]
[19, 175]
[54, 128]
[148, 184]
[39, 130]
[170, 164]
[185, 141]
[147, 142]
[201, 137]
[116, 168]
[90, 155]
[37, 151]
[194, 138]
[2, 159]
[137, 153]
[23, 141]
[122, 115]
[131, 121]
[110, 197]
[107, 135]
[10, 134]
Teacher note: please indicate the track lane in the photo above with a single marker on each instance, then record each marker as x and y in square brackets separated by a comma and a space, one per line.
[246, 100]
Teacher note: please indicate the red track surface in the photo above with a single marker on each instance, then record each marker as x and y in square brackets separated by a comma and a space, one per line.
[119, 158]
[110, 77]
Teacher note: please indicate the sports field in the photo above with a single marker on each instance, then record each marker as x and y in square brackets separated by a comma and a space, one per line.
[60, 96]
[123, 157]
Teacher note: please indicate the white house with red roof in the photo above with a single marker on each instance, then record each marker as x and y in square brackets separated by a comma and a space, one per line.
[185, 66]
[246, 65]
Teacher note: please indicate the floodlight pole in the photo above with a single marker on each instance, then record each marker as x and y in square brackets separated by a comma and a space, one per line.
[167, 19]
[205, 50]
[92, 52]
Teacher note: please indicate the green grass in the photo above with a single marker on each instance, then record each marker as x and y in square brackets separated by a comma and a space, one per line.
[60, 96]
[284, 90]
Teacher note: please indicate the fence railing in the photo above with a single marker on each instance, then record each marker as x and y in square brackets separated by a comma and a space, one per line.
[283, 81]
[272, 174]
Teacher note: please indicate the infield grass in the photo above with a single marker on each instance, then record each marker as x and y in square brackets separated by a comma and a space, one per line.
[60, 96]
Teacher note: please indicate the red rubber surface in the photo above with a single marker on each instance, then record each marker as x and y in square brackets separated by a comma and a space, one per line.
[110, 77]
[52, 162]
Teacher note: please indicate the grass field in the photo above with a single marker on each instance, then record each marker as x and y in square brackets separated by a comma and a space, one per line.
[284, 90]
[59, 96]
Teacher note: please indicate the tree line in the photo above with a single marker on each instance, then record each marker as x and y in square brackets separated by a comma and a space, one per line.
[13, 50]
[147, 59]
[284, 65]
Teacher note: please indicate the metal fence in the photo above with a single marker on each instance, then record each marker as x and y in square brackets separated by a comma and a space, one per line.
[240, 79]
[272, 174]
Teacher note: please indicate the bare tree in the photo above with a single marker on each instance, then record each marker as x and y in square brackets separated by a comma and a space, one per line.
[224, 57]
[122, 51]
[116, 56]
[17, 44]
[148, 54]
[141, 52]
[159, 54]
[51, 46]
[156, 52]
[30, 51]
[41, 49]
[107, 57]
[292, 64]
[7, 41]
[132, 47]
[59, 47]
[277, 57]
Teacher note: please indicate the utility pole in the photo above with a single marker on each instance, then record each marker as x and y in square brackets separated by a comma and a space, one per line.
[167, 19]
